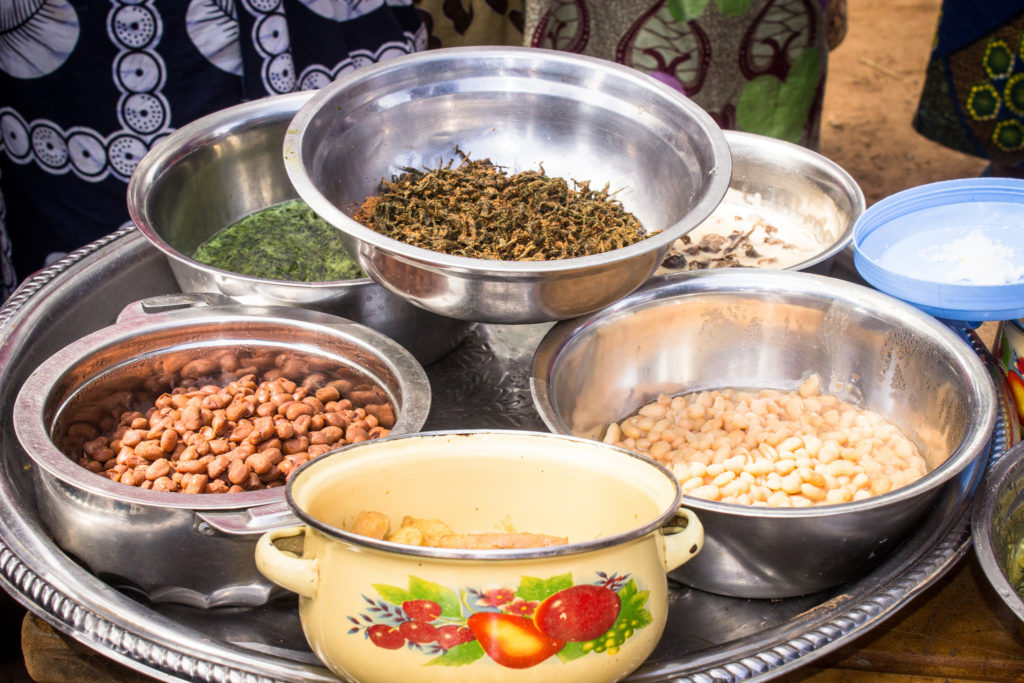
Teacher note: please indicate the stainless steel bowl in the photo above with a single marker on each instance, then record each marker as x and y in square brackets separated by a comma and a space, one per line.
[812, 201]
[997, 527]
[750, 328]
[221, 167]
[194, 549]
[582, 118]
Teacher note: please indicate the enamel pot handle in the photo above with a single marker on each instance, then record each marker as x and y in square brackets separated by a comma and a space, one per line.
[286, 569]
[681, 541]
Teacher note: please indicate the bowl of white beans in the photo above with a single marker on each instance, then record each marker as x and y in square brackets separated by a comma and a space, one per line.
[810, 421]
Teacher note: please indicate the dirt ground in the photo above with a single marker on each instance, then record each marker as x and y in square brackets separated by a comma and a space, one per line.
[874, 82]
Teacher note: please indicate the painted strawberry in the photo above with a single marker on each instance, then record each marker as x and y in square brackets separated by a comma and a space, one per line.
[512, 641]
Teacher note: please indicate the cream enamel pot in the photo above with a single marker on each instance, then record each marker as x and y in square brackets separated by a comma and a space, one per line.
[592, 610]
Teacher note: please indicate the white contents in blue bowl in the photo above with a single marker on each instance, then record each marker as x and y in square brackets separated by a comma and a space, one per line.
[976, 259]
[954, 249]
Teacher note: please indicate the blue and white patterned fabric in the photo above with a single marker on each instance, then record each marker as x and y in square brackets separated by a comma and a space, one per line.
[87, 87]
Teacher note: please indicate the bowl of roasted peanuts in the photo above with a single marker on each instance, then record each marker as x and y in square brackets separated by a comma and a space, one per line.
[810, 421]
[161, 443]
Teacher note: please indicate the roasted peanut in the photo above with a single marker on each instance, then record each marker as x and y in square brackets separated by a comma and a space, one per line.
[327, 435]
[159, 468]
[258, 463]
[196, 483]
[296, 408]
[168, 441]
[237, 472]
[296, 444]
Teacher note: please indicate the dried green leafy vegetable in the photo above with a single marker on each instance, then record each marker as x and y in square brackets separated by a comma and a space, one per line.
[286, 241]
[478, 210]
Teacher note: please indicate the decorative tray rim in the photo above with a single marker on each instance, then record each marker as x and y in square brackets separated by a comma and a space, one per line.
[38, 575]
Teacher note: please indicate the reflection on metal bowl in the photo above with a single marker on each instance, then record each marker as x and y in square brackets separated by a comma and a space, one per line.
[227, 165]
[750, 328]
[578, 117]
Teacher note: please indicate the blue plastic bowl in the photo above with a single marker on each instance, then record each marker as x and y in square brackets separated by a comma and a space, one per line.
[954, 249]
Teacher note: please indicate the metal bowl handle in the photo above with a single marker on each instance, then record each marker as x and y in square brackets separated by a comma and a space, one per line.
[165, 303]
[246, 521]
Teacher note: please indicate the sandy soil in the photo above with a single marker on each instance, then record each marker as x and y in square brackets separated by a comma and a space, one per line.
[874, 82]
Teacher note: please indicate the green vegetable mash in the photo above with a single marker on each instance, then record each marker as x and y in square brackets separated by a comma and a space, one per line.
[286, 241]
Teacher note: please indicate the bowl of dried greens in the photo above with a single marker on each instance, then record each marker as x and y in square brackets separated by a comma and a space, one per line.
[214, 197]
[505, 184]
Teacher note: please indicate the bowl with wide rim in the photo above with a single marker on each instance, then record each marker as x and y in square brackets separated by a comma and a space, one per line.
[168, 544]
[575, 116]
[227, 165]
[749, 328]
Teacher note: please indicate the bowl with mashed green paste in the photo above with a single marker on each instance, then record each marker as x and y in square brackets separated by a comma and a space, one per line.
[285, 241]
[215, 198]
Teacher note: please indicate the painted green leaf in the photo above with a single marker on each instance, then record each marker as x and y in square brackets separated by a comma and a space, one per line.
[779, 108]
[573, 651]
[531, 588]
[460, 655]
[633, 610]
[393, 594]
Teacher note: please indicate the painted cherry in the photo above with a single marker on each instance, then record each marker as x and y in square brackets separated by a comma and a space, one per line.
[579, 613]
[422, 610]
[450, 635]
[418, 631]
[387, 637]
[512, 641]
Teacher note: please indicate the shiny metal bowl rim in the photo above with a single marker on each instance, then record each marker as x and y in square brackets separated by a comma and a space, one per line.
[717, 183]
[827, 167]
[50, 458]
[489, 555]
[981, 532]
[196, 135]
[772, 283]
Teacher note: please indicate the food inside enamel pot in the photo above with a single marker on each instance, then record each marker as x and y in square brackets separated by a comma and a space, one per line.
[436, 534]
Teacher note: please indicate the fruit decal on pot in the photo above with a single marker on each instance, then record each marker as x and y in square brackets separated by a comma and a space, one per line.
[516, 627]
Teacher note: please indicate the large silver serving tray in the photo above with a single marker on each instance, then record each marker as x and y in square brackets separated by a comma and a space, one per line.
[483, 383]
